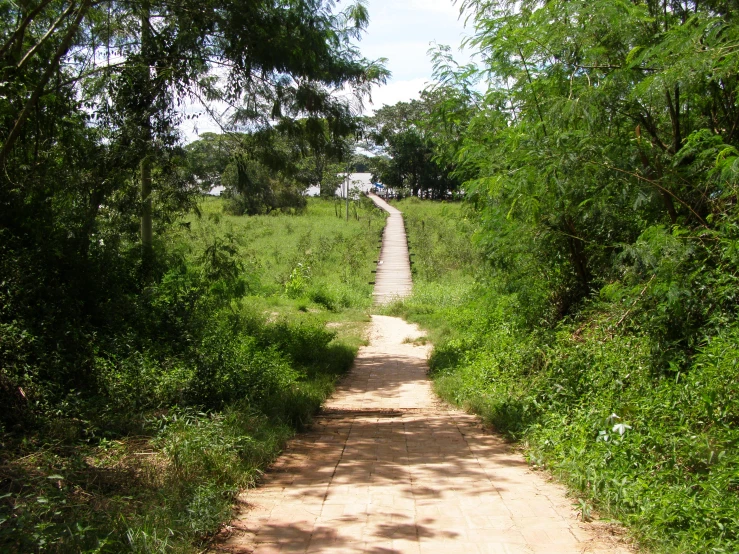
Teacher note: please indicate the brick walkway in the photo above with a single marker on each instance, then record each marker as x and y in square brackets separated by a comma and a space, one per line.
[393, 279]
[387, 468]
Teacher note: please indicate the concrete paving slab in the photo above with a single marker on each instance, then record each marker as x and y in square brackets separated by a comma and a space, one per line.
[389, 469]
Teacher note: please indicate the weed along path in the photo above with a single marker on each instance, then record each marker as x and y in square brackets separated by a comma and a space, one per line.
[388, 468]
[393, 279]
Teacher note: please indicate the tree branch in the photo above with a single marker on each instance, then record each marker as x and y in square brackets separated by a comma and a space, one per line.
[536, 97]
[22, 27]
[31, 103]
[50, 32]
[658, 186]
[89, 73]
[620, 321]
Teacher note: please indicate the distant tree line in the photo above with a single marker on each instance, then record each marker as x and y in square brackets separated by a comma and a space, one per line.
[409, 153]
[271, 169]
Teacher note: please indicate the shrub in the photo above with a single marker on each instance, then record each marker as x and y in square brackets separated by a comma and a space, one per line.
[631, 399]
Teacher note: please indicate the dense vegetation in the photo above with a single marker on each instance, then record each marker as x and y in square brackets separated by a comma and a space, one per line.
[599, 323]
[586, 394]
[594, 317]
[92, 172]
[230, 354]
[144, 375]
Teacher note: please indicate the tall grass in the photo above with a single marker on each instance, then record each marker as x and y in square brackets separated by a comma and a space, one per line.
[320, 257]
[240, 339]
[587, 397]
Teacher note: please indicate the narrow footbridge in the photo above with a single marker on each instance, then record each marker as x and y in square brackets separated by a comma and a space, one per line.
[393, 278]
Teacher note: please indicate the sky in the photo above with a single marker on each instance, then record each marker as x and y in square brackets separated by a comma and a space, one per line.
[401, 31]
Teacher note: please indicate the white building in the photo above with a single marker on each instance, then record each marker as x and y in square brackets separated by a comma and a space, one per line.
[361, 181]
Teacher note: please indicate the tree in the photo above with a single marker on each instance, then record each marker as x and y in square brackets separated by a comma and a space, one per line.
[598, 123]
[208, 157]
[408, 151]
[89, 90]
[324, 147]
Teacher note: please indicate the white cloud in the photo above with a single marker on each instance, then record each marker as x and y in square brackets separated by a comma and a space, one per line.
[396, 91]
[438, 6]
[403, 31]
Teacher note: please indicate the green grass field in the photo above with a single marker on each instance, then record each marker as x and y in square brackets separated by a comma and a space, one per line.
[445, 263]
[317, 257]
[315, 266]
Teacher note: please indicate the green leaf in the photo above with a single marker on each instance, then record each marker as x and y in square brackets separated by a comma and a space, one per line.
[632, 54]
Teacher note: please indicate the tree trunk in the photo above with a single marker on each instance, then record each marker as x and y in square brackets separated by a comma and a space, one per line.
[674, 109]
[147, 234]
[666, 198]
[577, 254]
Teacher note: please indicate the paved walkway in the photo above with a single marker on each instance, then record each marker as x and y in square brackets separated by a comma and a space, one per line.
[387, 468]
[393, 279]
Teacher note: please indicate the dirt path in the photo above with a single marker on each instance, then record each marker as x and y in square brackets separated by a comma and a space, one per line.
[393, 279]
[387, 468]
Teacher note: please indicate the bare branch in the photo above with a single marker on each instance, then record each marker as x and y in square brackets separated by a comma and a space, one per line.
[99, 69]
[53, 64]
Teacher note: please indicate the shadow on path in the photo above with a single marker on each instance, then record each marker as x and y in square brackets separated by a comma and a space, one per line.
[387, 467]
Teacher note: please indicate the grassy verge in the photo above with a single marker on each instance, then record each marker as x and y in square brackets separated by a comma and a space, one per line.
[585, 397]
[241, 338]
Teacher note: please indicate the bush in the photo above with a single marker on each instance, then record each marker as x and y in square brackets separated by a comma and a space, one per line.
[631, 399]
[131, 421]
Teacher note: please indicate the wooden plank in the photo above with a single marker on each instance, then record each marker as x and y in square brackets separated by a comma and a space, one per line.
[393, 275]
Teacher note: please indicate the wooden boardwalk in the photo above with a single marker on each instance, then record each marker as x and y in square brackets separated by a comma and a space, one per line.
[393, 278]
